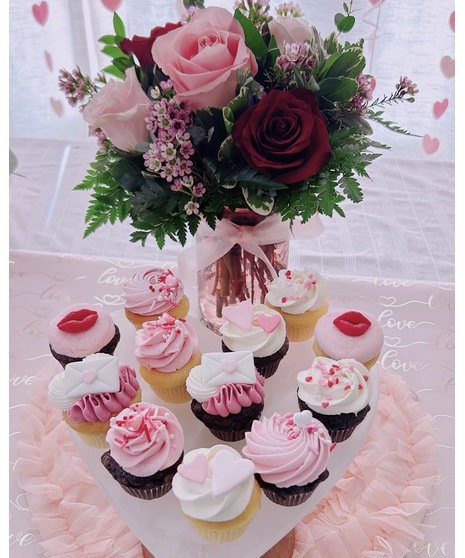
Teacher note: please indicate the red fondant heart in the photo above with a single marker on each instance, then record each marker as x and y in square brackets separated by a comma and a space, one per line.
[196, 470]
[78, 321]
[352, 323]
[268, 323]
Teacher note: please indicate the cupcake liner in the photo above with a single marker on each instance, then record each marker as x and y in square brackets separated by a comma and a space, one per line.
[287, 500]
[148, 493]
[341, 435]
[177, 394]
[268, 370]
[297, 334]
[209, 533]
[293, 495]
[229, 436]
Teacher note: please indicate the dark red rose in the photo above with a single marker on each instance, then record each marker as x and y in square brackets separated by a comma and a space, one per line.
[141, 47]
[284, 136]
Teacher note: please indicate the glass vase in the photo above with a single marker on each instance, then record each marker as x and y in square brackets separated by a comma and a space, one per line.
[238, 275]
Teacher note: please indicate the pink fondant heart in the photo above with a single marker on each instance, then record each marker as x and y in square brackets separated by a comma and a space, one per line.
[112, 5]
[196, 470]
[303, 418]
[228, 472]
[57, 106]
[448, 66]
[440, 107]
[40, 12]
[376, 2]
[452, 21]
[430, 145]
[240, 314]
[88, 376]
[171, 281]
[48, 60]
[229, 365]
[268, 323]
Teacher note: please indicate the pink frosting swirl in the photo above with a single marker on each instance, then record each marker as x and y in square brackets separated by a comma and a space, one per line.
[100, 407]
[232, 398]
[166, 344]
[286, 454]
[145, 438]
[152, 292]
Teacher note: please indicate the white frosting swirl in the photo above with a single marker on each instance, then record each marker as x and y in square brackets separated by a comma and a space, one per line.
[196, 499]
[56, 392]
[255, 339]
[296, 292]
[332, 387]
[196, 387]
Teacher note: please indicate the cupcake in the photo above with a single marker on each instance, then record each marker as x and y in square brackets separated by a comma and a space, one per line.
[217, 492]
[300, 297]
[349, 334]
[227, 393]
[146, 445]
[255, 328]
[151, 293]
[90, 392]
[166, 350]
[290, 452]
[337, 392]
[81, 330]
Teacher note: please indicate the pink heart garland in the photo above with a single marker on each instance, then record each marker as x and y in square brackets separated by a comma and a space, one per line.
[452, 21]
[448, 66]
[112, 5]
[439, 108]
[268, 323]
[430, 145]
[40, 12]
[196, 470]
[57, 106]
[228, 472]
[48, 60]
[240, 314]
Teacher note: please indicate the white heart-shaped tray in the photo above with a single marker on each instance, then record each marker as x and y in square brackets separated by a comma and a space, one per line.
[159, 523]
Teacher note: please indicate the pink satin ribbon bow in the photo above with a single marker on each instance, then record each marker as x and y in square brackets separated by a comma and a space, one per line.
[216, 243]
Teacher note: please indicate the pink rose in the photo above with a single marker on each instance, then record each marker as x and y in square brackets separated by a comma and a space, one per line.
[119, 109]
[290, 30]
[203, 56]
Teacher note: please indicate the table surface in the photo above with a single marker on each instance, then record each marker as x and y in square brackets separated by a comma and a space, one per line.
[399, 241]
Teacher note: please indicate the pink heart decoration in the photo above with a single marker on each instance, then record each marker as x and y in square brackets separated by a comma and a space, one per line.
[268, 323]
[228, 472]
[304, 418]
[229, 365]
[430, 145]
[240, 314]
[196, 470]
[57, 106]
[48, 60]
[88, 376]
[448, 66]
[376, 2]
[452, 21]
[112, 5]
[40, 12]
[440, 107]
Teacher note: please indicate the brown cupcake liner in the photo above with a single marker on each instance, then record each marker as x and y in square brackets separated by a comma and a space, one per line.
[341, 435]
[287, 500]
[229, 436]
[292, 496]
[148, 493]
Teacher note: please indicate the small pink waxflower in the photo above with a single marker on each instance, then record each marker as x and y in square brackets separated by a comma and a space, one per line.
[192, 208]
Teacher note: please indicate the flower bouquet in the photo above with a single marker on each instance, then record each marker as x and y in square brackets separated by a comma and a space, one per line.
[245, 118]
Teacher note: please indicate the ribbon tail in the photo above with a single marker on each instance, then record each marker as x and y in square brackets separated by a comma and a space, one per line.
[256, 250]
[202, 254]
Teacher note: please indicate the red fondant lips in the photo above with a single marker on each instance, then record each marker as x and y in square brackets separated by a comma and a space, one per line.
[352, 323]
[78, 321]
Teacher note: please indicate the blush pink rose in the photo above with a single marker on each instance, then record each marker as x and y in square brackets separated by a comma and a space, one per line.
[119, 109]
[202, 58]
[290, 30]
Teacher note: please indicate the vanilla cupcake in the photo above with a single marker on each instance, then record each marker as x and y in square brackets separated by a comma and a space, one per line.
[166, 350]
[90, 392]
[217, 492]
[146, 445]
[337, 392]
[349, 334]
[290, 452]
[227, 393]
[258, 329]
[300, 297]
[151, 293]
[81, 330]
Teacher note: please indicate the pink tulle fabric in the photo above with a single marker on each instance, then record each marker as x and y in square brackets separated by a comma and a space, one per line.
[374, 511]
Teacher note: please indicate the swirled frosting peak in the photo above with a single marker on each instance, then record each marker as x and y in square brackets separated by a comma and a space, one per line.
[296, 292]
[145, 438]
[152, 292]
[166, 344]
[214, 484]
[332, 387]
[253, 327]
[288, 450]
